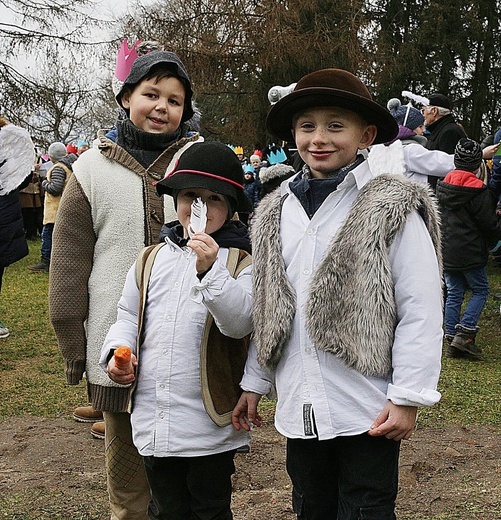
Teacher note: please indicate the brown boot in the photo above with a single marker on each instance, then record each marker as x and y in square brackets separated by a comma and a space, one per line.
[450, 351]
[97, 430]
[87, 414]
[464, 340]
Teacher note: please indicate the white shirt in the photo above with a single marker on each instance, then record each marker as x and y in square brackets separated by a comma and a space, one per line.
[313, 383]
[422, 163]
[411, 159]
[168, 416]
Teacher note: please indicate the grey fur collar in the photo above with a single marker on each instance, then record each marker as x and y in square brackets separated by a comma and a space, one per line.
[350, 311]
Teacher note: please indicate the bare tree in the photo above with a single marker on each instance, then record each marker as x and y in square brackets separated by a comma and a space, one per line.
[51, 60]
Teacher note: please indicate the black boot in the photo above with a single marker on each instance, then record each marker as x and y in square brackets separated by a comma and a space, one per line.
[464, 340]
[450, 351]
[43, 265]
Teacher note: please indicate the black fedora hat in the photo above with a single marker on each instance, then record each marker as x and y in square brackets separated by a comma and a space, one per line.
[210, 165]
[330, 87]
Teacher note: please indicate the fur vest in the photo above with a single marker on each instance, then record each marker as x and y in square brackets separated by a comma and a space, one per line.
[350, 310]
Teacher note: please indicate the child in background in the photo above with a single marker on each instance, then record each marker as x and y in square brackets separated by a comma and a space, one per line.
[53, 185]
[470, 227]
[109, 211]
[251, 190]
[347, 303]
[187, 455]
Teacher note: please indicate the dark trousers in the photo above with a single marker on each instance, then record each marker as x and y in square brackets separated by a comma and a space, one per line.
[190, 488]
[346, 478]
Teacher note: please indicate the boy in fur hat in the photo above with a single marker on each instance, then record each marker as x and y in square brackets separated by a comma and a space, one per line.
[108, 212]
[347, 303]
[182, 381]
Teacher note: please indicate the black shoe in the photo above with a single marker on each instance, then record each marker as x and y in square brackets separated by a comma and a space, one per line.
[43, 265]
[450, 351]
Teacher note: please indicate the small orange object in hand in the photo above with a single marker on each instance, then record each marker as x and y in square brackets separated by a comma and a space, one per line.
[123, 356]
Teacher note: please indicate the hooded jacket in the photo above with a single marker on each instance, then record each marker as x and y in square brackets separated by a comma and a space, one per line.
[469, 222]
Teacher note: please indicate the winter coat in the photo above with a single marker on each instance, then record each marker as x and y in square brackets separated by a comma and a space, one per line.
[13, 245]
[251, 190]
[17, 156]
[444, 134]
[469, 222]
[57, 179]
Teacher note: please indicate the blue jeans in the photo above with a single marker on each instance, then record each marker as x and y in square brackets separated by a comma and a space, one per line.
[345, 478]
[47, 241]
[458, 282]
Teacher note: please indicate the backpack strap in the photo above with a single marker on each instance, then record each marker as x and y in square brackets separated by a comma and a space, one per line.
[144, 265]
[222, 359]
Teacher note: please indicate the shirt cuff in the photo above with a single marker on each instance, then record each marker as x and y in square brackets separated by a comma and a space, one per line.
[256, 385]
[405, 397]
[211, 284]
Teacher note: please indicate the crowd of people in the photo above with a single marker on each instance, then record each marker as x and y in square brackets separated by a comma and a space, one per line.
[315, 279]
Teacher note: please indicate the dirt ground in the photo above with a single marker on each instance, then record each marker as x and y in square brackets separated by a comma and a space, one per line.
[53, 469]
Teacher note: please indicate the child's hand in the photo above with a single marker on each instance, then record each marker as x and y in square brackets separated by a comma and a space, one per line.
[395, 422]
[206, 250]
[122, 377]
[245, 412]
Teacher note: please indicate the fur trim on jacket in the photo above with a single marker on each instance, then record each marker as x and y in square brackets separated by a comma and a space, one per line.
[351, 310]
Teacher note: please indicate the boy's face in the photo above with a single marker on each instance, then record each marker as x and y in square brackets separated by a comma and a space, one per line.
[328, 138]
[419, 130]
[255, 162]
[156, 107]
[217, 208]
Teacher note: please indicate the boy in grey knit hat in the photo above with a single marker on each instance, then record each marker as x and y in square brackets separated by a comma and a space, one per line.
[109, 211]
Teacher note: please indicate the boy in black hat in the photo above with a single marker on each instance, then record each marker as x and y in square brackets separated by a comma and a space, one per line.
[469, 228]
[188, 369]
[109, 211]
[347, 303]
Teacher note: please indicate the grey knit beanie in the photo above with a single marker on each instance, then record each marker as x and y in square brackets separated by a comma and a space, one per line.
[467, 155]
[56, 152]
[405, 115]
[142, 66]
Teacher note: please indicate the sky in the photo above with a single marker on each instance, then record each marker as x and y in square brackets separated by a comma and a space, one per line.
[103, 9]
